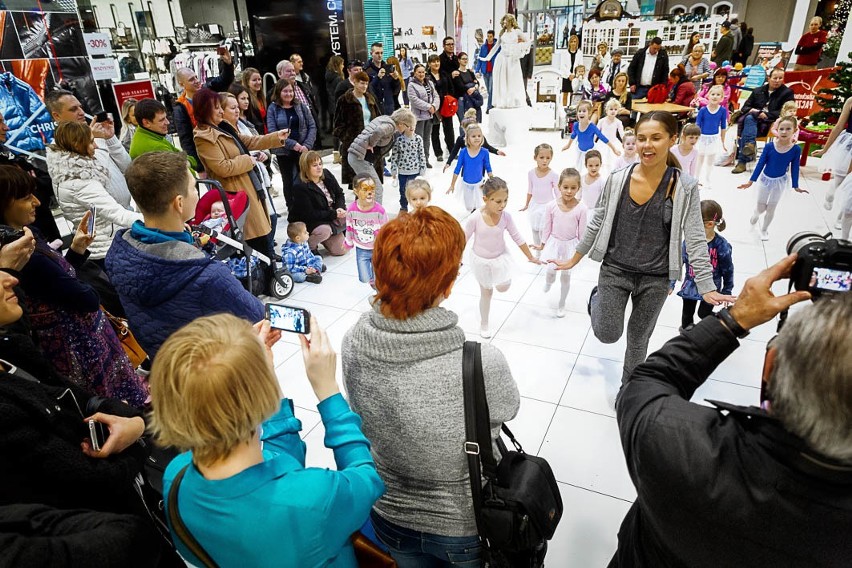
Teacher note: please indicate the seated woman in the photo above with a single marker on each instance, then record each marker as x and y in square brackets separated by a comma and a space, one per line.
[46, 456]
[64, 312]
[596, 92]
[226, 155]
[681, 90]
[720, 77]
[216, 397]
[318, 202]
[402, 368]
[80, 182]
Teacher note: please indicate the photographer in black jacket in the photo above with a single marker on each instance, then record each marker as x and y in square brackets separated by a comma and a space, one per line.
[736, 486]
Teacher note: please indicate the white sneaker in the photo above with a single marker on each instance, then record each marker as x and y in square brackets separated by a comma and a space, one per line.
[764, 235]
[484, 332]
[560, 312]
[754, 218]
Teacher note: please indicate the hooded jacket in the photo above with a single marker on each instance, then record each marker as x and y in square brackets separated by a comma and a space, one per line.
[165, 285]
[80, 182]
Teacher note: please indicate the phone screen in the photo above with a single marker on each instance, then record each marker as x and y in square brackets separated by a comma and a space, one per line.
[831, 279]
[289, 318]
[90, 229]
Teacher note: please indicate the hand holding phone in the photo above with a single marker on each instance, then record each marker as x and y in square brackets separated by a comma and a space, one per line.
[320, 362]
[98, 434]
[90, 229]
[289, 318]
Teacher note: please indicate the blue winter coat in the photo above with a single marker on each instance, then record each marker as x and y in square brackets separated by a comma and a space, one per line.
[19, 104]
[719, 250]
[166, 285]
[306, 135]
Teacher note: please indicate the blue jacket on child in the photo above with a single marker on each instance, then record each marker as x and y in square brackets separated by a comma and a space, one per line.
[298, 257]
[722, 262]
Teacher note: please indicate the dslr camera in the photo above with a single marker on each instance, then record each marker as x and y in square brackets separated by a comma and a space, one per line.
[824, 265]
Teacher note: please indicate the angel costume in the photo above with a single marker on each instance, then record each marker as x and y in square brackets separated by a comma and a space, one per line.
[507, 77]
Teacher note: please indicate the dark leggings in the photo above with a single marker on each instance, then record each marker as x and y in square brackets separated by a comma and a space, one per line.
[704, 310]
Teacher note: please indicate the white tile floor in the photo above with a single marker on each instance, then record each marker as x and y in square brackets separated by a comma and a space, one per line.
[568, 379]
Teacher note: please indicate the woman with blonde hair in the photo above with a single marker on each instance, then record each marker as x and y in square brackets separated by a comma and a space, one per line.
[507, 78]
[128, 122]
[216, 398]
[318, 202]
[80, 182]
[252, 80]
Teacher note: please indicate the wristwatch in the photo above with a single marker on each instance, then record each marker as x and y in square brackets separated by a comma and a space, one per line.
[729, 321]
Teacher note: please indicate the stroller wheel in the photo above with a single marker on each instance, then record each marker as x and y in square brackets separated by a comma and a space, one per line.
[281, 284]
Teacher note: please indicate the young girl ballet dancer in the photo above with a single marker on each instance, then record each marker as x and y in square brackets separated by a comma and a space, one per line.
[473, 164]
[364, 217]
[584, 132]
[564, 224]
[685, 151]
[779, 159]
[713, 122]
[491, 263]
[541, 189]
[610, 125]
[720, 259]
[837, 153]
[630, 156]
[592, 183]
[418, 192]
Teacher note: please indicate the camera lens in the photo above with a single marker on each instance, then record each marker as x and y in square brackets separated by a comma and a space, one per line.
[800, 240]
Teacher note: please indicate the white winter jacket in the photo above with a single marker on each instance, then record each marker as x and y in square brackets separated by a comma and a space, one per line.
[80, 182]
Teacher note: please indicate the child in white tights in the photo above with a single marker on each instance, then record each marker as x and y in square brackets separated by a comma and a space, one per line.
[837, 156]
[542, 189]
[564, 224]
[491, 263]
[713, 121]
[778, 161]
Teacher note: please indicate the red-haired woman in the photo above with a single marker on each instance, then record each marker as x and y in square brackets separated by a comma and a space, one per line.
[406, 355]
[226, 156]
[681, 91]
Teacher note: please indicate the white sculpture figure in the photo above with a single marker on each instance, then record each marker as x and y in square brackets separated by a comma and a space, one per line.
[507, 78]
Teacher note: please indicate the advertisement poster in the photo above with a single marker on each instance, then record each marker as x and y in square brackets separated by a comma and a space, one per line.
[41, 47]
[142, 89]
[806, 86]
[769, 55]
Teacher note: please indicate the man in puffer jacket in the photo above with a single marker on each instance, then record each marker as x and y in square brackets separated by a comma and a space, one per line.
[376, 141]
[163, 279]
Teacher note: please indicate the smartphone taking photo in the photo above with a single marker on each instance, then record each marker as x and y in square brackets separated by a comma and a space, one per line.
[289, 318]
[90, 228]
[103, 117]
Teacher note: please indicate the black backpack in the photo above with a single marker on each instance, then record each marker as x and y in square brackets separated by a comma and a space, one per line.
[519, 507]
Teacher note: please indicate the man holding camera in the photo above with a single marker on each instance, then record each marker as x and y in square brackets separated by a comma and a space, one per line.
[737, 486]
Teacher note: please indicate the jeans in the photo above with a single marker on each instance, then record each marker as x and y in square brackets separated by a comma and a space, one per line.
[298, 277]
[415, 549]
[403, 181]
[463, 106]
[488, 82]
[364, 259]
[641, 92]
[424, 130]
[749, 128]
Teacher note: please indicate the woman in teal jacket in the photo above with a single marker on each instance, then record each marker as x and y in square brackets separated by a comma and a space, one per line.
[244, 492]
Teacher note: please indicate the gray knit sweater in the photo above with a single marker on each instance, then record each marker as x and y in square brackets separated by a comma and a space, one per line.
[404, 377]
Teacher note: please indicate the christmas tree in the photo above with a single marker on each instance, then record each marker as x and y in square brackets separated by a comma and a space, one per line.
[836, 26]
[832, 99]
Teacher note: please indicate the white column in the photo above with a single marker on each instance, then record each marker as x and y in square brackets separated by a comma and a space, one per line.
[845, 44]
[801, 17]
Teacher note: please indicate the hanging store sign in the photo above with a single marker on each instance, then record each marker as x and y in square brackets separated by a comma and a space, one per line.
[97, 44]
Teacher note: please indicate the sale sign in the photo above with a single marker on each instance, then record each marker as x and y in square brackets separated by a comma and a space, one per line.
[138, 90]
[806, 86]
[97, 44]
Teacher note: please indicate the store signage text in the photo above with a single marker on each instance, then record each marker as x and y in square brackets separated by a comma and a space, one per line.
[97, 44]
[334, 25]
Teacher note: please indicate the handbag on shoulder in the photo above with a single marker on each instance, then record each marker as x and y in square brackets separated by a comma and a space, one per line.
[519, 507]
[128, 342]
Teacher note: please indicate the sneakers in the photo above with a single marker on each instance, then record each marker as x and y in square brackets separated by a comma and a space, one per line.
[739, 168]
[560, 312]
[764, 235]
[755, 216]
[484, 332]
[592, 295]
[749, 150]
[313, 278]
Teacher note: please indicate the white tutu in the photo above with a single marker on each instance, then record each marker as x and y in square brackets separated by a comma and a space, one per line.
[838, 157]
[844, 194]
[770, 189]
[709, 144]
[491, 272]
[557, 249]
[536, 213]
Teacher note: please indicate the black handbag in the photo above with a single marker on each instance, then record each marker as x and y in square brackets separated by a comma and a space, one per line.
[519, 507]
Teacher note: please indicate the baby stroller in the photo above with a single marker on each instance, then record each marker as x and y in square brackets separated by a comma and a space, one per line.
[230, 246]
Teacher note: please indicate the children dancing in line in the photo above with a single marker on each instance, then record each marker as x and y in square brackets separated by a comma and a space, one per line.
[592, 183]
[584, 132]
[564, 224]
[490, 260]
[713, 122]
[630, 155]
[720, 259]
[541, 190]
[837, 155]
[779, 160]
[473, 165]
[685, 151]
[364, 217]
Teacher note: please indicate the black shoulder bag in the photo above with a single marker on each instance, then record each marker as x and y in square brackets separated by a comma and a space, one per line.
[519, 507]
[180, 529]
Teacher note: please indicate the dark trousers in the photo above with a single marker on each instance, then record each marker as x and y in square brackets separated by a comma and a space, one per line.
[704, 310]
[93, 273]
[289, 166]
[424, 130]
[403, 181]
[449, 136]
[749, 129]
